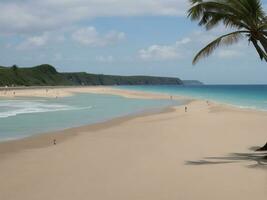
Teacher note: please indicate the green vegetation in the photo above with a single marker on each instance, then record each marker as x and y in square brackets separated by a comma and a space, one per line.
[47, 75]
[246, 17]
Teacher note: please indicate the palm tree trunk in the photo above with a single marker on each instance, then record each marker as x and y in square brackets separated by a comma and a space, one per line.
[263, 42]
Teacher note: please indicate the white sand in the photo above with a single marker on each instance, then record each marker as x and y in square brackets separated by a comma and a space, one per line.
[53, 92]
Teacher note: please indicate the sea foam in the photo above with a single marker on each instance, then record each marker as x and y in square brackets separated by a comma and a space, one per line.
[9, 108]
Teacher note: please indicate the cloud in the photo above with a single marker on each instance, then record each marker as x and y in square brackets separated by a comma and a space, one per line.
[229, 53]
[37, 16]
[39, 41]
[186, 48]
[90, 37]
[157, 52]
[32, 42]
[164, 52]
[183, 41]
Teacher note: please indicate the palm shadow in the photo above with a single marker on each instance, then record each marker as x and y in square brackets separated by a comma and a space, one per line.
[259, 160]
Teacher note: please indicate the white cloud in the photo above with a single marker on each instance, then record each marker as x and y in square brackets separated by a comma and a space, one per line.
[32, 42]
[90, 37]
[38, 41]
[188, 47]
[183, 41]
[35, 16]
[164, 52]
[229, 53]
[185, 47]
[157, 52]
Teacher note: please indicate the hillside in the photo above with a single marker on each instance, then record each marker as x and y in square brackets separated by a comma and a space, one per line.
[192, 82]
[47, 75]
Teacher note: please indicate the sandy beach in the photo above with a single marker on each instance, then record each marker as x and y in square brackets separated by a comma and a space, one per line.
[206, 153]
[56, 92]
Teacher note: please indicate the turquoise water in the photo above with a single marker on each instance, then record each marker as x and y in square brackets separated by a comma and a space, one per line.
[244, 96]
[28, 116]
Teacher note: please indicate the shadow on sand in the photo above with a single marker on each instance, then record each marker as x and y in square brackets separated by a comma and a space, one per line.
[256, 160]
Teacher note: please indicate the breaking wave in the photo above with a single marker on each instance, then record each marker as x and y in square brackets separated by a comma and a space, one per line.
[9, 108]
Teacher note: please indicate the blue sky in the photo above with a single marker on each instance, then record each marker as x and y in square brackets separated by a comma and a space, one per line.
[127, 37]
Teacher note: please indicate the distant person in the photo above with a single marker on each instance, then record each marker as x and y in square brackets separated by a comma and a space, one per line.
[55, 142]
[185, 108]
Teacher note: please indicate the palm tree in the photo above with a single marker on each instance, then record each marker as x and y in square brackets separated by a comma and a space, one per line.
[246, 17]
[15, 69]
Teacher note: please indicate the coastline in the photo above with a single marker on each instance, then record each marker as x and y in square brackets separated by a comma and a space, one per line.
[53, 92]
[46, 139]
[65, 91]
[160, 155]
[41, 92]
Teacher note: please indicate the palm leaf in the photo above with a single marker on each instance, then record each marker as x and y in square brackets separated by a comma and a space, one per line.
[211, 19]
[198, 9]
[261, 53]
[246, 16]
[227, 39]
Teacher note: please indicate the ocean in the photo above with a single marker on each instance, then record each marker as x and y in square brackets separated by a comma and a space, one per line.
[242, 96]
[22, 117]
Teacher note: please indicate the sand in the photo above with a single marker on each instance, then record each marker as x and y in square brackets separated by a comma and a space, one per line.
[205, 154]
[57, 92]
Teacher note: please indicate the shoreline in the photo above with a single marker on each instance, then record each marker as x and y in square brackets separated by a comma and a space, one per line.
[160, 155]
[70, 91]
[65, 91]
[40, 92]
[45, 139]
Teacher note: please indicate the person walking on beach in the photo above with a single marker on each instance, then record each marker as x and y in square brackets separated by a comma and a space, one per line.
[55, 142]
[185, 108]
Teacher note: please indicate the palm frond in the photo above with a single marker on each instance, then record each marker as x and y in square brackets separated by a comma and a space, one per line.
[211, 19]
[233, 13]
[227, 39]
[259, 50]
[246, 16]
[220, 6]
[264, 33]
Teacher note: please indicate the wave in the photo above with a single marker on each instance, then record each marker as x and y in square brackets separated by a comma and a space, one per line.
[10, 108]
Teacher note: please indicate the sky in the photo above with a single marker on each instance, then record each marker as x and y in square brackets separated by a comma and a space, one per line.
[123, 37]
